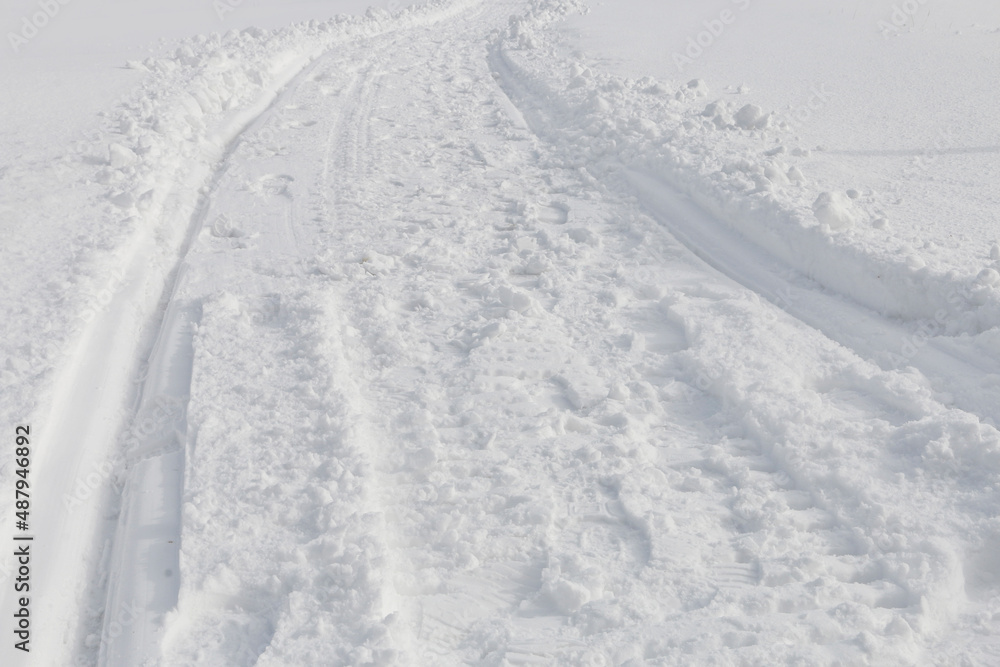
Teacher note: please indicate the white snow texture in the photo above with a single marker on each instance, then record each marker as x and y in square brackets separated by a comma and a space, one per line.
[430, 335]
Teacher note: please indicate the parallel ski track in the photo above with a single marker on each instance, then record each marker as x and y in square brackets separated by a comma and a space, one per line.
[88, 413]
[167, 353]
[676, 212]
[88, 416]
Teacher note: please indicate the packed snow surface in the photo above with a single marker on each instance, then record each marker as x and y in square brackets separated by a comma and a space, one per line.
[502, 333]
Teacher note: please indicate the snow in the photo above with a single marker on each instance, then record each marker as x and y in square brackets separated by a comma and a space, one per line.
[833, 209]
[503, 333]
[924, 138]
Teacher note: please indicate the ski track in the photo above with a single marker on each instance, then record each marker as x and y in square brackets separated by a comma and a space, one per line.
[144, 569]
[428, 390]
[939, 595]
[100, 379]
[95, 387]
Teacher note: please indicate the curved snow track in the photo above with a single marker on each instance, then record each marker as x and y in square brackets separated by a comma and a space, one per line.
[425, 382]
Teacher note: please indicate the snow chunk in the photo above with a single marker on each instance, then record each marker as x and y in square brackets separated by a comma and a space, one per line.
[599, 103]
[119, 156]
[566, 596]
[774, 174]
[422, 459]
[584, 236]
[752, 117]
[583, 390]
[491, 331]
[713, 109]
[619, 392]
[515, 299]
[988, 278]
[377, 264]
[698, 87]
[123, 199]
[835, 210]
[536, 265]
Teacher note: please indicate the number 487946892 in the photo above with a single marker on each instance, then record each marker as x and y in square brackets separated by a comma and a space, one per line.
[22, 499]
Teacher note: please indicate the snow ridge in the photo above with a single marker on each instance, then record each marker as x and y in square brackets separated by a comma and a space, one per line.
[158, 161]
[744, 167]
[427, 344]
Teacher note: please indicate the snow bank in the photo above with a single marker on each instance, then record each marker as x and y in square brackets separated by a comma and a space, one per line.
[146, 177]
[743, 166]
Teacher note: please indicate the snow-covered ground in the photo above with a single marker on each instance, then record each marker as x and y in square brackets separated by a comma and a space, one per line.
[501, 333]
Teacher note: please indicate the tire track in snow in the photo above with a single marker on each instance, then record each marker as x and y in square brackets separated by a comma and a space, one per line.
[515, 473]
[445, 603]
[954, 369]
[358, 208]
[169, 468]
[533, 599]
[144, 569]
[872, 545]
[867, 334]
[349, 142]
[88, 407]
[92, 388]
[347, 507]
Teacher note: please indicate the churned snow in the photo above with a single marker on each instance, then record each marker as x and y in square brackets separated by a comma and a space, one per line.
[504, 333]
